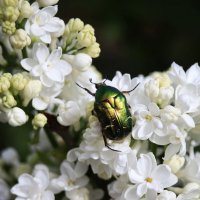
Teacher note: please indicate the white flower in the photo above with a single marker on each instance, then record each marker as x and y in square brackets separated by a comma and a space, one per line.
[124, 83]
[47, 97]
[42, 24]
[33, 187]
[72, 176]
[45, 3]
[16, 116]
[148, 176]
[147, 122]
[80, 61]
[191, 172]
[180, 77]
[187, 98]
[68, 113]
[50, 68]
[4, 190]
[177, 139]
[166, 195]
[103, 160]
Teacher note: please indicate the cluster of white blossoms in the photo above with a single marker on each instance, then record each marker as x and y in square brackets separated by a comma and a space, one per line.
[47, 82]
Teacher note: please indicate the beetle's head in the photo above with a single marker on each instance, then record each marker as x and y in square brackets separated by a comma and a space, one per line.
[98, 85]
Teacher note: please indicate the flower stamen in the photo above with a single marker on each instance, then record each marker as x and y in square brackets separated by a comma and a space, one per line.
[148, 179]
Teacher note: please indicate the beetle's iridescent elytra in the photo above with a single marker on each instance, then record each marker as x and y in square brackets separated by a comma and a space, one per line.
[113, 112]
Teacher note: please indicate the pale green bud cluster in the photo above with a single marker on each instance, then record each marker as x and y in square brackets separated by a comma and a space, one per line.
[39, 121]
[20, 39]
[81, 38]
[18, 82]
[12, 11]
[17, 86]
[5, 82]
[8, 100]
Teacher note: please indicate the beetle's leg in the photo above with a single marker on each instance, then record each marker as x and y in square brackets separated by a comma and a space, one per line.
[93, 94]
[127, 92]
[107, 145]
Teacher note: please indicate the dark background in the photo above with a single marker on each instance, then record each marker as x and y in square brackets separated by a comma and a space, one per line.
[140, 36]
[136, 37]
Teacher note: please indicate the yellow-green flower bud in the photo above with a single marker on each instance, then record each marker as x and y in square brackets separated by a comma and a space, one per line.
[13, 3]
[86, 37]
[20, 39]
[11, 13]
[9, 101]
[18, 82]
[31, 90]
[8, 27]
[74, 25]
[4, 84]
[93, 50]
[8, 76]
[39, 121]
[25, 10]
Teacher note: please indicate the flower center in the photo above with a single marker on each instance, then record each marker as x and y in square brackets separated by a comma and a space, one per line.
[148, 179]
[148, 117]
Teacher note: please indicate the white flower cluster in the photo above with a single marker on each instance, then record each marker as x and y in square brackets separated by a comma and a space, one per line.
[50, 84]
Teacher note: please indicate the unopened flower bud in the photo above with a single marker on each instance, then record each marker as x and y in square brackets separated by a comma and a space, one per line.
[7, 75]
[190, 187]
[16, 117]
[9, 101]
[4, 84]
[82, 61]
[8, 27]
[152, 88]
[25, 10]
[18, 82]
[163, 79]
[20, 39]
[74, 25]
[175, 163]
[69, 113]
[86, 37]
[93, 50]
[45, 3]
[39, 121]
[31, 90]
[11, 13]
[10, 2]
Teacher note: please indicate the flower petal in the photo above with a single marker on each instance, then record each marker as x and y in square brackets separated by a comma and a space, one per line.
[28, 63]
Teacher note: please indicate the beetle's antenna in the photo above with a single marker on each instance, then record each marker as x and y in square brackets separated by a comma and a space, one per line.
[127, 92]
[86, 89]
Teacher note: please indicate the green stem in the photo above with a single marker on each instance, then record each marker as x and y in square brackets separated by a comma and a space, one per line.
[153, 148]
[51, 138]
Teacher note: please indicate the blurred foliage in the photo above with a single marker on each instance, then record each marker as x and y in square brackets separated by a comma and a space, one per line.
[136, 36]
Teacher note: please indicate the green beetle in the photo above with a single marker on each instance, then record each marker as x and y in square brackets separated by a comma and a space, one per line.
[113, 112]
